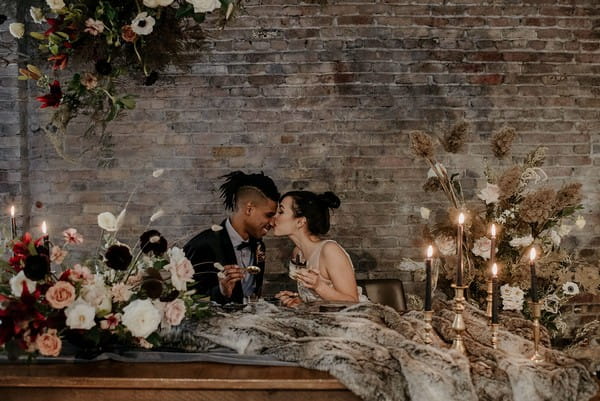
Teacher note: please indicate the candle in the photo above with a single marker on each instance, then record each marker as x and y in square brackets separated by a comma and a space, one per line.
[46, 238]
[534, 296]
[495, 294]
[428, 278]
[493, 245]
[459, 268]
[13, 222]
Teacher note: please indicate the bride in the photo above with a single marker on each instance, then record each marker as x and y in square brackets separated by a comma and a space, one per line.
[303, 216]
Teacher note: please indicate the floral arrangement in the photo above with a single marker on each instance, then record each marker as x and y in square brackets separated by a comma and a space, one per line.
[124, 297]
[527, 213]
[106, 39]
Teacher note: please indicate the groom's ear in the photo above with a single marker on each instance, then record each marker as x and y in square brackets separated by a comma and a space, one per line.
[248, 207]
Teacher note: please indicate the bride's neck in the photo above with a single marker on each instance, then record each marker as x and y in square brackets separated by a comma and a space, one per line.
[305, 242]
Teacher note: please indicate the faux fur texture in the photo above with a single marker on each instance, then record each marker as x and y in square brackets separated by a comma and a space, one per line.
[380, 355]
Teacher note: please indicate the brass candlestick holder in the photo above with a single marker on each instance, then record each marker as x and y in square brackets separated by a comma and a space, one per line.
[495, 335]
[427, 317]
[488, 311]
[536, 307]
[458, 325]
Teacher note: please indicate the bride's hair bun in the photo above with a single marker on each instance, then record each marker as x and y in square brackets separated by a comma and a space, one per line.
[330, 199]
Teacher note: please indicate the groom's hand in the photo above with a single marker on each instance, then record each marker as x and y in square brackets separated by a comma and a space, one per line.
[231, 275]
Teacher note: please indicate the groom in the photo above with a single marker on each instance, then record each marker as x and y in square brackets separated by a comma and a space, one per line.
[252, 198]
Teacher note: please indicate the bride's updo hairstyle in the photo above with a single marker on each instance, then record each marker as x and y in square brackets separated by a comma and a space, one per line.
[315, 208]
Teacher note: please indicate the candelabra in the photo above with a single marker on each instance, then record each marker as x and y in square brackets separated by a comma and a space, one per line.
[427, 316]
[537, 313]
[488, 311]
[495, 335]
[459, 324]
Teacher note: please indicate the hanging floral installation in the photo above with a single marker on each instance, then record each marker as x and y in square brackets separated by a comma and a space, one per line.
[103, 44]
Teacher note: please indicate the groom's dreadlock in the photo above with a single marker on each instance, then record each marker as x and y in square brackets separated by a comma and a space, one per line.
[238, 180]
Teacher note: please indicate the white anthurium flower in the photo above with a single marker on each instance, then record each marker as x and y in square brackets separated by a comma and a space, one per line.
[440, 169]
[490, 194]
[521, 242]
[17, 29]
[16, 284]
[580, 222]
[37, 15]
[80, 315]
[141, 317]
[425, 212]
[158, 172]
[56, 4]
[158, 214]
[204, 6]
[570, 288]
[143, 24]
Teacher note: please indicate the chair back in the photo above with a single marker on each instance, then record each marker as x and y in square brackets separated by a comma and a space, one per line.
[388, 292]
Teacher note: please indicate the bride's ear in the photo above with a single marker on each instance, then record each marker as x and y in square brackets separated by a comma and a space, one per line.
[301, 222]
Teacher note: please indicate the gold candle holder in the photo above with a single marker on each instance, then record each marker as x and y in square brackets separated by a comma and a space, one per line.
[427, 317]
[495, 335]
[458, 325]
[488, 311]
[536, 307]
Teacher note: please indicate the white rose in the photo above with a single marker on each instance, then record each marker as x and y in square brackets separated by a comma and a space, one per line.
[555, 237]
[156, 3]
[564, 230]
[481, 247]
[580, 222]
[512, 297]
[204, 6]
[17, 29]
[80, 315]
[521, 242]
[16, 284]
[490, 194]
[98, 295]
[37, 15]
[570, 288]
[174, 312]
[446, 245]
[425, 213]
[56, 4]
[141, 318]
[108, 222]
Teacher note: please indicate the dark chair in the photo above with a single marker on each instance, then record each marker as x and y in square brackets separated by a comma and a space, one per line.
[388, 292]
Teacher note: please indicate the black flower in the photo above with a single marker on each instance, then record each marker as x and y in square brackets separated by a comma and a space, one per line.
[152, 241]
[103, 67]
[36, 267]
[151, 79]
[153, 287]
[118, 257]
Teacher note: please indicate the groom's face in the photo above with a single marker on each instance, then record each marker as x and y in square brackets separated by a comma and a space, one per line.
[259, 219]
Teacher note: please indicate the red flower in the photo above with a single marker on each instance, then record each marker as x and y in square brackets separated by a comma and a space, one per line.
[53, 98]
[60, 61]
[55, 24]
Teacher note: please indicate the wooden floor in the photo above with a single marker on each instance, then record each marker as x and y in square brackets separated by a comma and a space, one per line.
[116, 381]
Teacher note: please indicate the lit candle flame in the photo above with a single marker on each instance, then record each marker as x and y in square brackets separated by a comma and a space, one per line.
[461, 218]
[493, 231]
[44, 230]
[12, 211]
[494, 270]
[532, 255]
[429, 251]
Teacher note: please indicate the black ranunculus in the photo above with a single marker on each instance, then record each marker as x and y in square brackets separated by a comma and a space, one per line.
[151, 79]
[103, 67]
[170, 296]
[3, 19]
[152, 241]
[118, 257]
[153, 287]
[36, 267]
[42, 250]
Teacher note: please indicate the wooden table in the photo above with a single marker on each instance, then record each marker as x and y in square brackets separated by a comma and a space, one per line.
[117, 381]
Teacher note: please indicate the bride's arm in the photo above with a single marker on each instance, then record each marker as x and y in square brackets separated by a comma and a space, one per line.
[340, 272]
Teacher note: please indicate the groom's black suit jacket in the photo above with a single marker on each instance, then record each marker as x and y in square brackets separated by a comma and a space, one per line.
[215, 246]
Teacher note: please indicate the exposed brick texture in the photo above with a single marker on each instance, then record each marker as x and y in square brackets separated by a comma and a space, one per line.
[322, 95]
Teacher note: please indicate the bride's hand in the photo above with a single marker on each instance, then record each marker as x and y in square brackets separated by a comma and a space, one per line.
[289, 298]
[309, 278]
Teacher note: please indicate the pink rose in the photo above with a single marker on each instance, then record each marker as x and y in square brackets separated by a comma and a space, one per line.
[60, 295]
[49, 343]
[174, 312]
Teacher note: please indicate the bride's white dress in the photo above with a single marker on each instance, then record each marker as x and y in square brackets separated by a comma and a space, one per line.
[312, 263]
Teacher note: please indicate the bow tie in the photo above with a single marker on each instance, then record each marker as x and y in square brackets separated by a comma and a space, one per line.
[242, 245]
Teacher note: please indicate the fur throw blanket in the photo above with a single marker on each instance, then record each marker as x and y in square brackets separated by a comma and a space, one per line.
[380, 355]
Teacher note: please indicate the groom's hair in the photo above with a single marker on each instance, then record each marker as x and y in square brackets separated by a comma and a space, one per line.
[240, 185]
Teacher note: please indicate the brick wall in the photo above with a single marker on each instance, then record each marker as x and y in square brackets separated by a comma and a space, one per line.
[322, 95]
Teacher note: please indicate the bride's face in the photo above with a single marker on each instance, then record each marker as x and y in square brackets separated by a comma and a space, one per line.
[285, 222]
